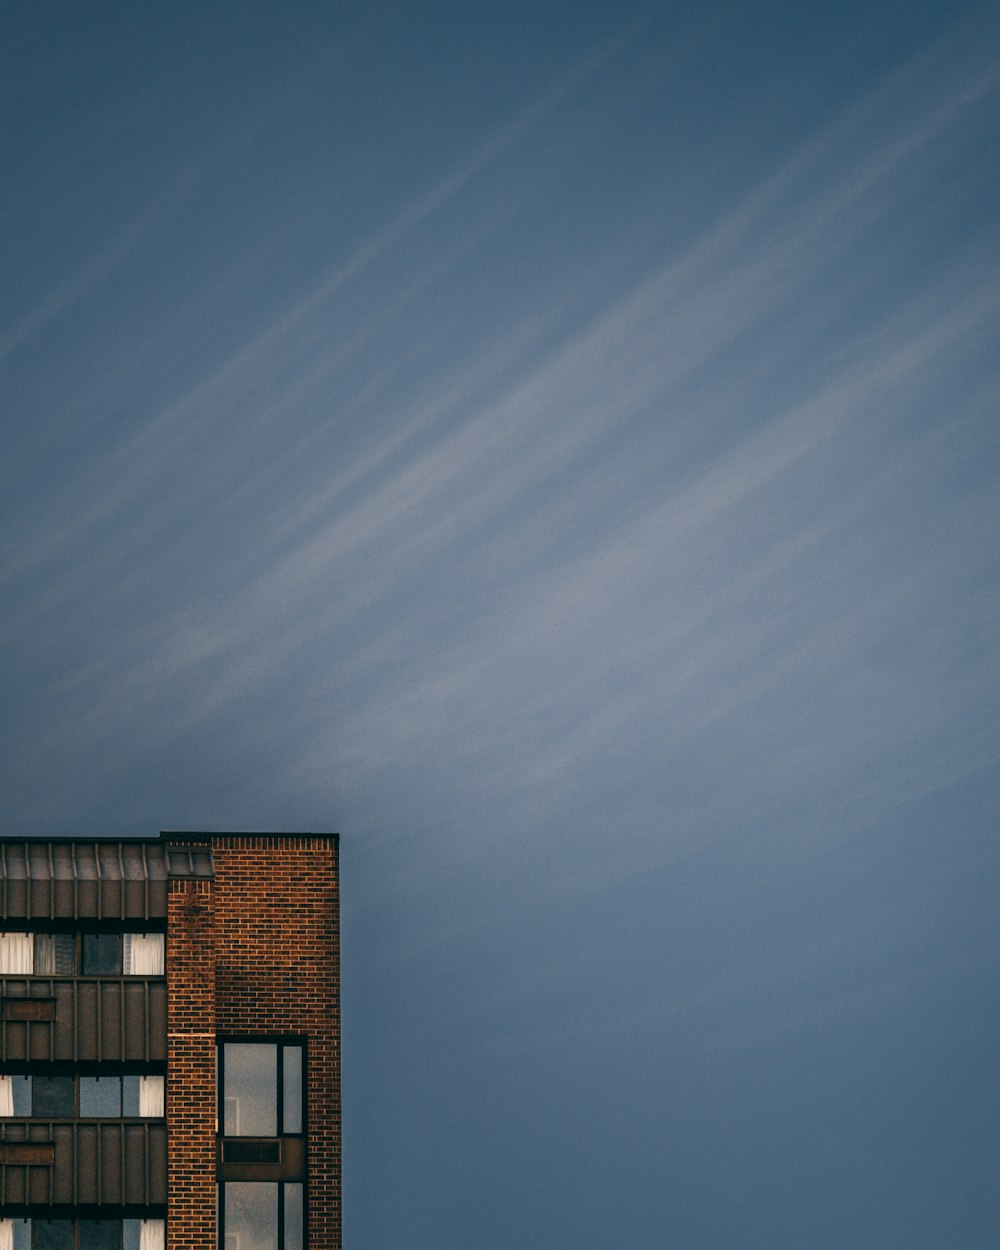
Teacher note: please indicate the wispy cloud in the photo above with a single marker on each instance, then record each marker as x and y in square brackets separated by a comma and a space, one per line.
[484, 484]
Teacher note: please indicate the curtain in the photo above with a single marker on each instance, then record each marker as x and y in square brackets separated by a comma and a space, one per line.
[17, 955]
[45, 955]
[6, 1108]
[6, 1235]
[150, 1099]
[143, 955]
[152, 1235]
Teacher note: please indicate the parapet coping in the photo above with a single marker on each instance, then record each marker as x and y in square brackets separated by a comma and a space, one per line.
[184, 835]
[201, 835]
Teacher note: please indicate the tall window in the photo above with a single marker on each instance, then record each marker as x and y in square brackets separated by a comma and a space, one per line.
[261, 1089]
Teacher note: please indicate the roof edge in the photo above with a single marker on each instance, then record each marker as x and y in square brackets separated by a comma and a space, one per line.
[202, 835]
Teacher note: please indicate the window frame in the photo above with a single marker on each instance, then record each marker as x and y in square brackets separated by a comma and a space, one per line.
[76, 1078]
[79, 935]
[220, 1209]
[281, 1042]
[76, 1222]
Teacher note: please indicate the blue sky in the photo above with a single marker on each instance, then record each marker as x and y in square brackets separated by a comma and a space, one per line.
[556, 446]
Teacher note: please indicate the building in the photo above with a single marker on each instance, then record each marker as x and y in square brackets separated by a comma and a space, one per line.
[170, 1043]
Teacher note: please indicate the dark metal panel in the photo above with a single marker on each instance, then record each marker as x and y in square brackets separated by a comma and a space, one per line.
[25, 1183]
[92, 879]
[156, 1164]
[109, 1014]
[109, 1164]
[96, 1021]
[290, 1164]
[156, 1035]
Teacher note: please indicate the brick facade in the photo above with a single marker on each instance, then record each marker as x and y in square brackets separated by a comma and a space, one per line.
[190, 1066]
[254, 953]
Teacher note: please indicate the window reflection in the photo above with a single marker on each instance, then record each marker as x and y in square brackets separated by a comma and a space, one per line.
[293, 1218]
[100, 1234]
[53, 1234]
[100, 1097]
[52, 1096]
[250, 1099]
[102, 955]
[251, 1215]
[292, 1092]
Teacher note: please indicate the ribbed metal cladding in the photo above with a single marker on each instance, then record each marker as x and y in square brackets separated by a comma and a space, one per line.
[98, 879]
[108, 1020]
[112, 1163]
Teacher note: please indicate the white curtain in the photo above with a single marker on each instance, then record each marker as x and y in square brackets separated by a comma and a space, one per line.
[150, 1101]
[6, 1235]
[17, 957]
[152, 1235]
[6, 1108]
[143, 955]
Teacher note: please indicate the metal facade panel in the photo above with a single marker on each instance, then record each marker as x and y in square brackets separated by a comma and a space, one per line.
[113, 1163]
[112, 1020]
[98, 879]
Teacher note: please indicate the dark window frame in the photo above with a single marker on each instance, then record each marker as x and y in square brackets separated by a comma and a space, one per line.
[78, 960]
[281, 1042]
[76, 1078]
[76, 1222]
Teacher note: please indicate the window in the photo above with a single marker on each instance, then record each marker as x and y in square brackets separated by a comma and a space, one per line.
[261, 1086]
[142, 954]
[15, 1235]
[53, 1096]
[261, 1215]
[101, 955]
[15, 1097]
[55, 954]
[68, 1097]
[92, 954]
[17, 953]
[82, 1234]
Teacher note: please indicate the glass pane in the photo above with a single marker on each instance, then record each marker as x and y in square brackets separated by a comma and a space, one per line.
[100, 1095]
[22, 1094]
[22, 1234]
[151, 1102]
[293, 1217]
[251, 1094]
[292, 1093]
[131, 1234]
[15, 1098]
[142, 1095]
[143, 955]
[17, 953]
[100, 1234]
[64, 946]
[53, 1234]
[130, 1096]
[102, 955]
[154, 1235]
[55, 954]
[52, 1096]
[251, 1215]
[45, 955]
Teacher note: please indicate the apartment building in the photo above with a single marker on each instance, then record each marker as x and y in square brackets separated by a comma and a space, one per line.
[170, 1043]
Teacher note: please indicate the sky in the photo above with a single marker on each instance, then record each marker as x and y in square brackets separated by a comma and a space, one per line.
[554, 445]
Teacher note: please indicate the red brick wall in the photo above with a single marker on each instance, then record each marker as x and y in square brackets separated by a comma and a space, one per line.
[276, 971]
[191, 959]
